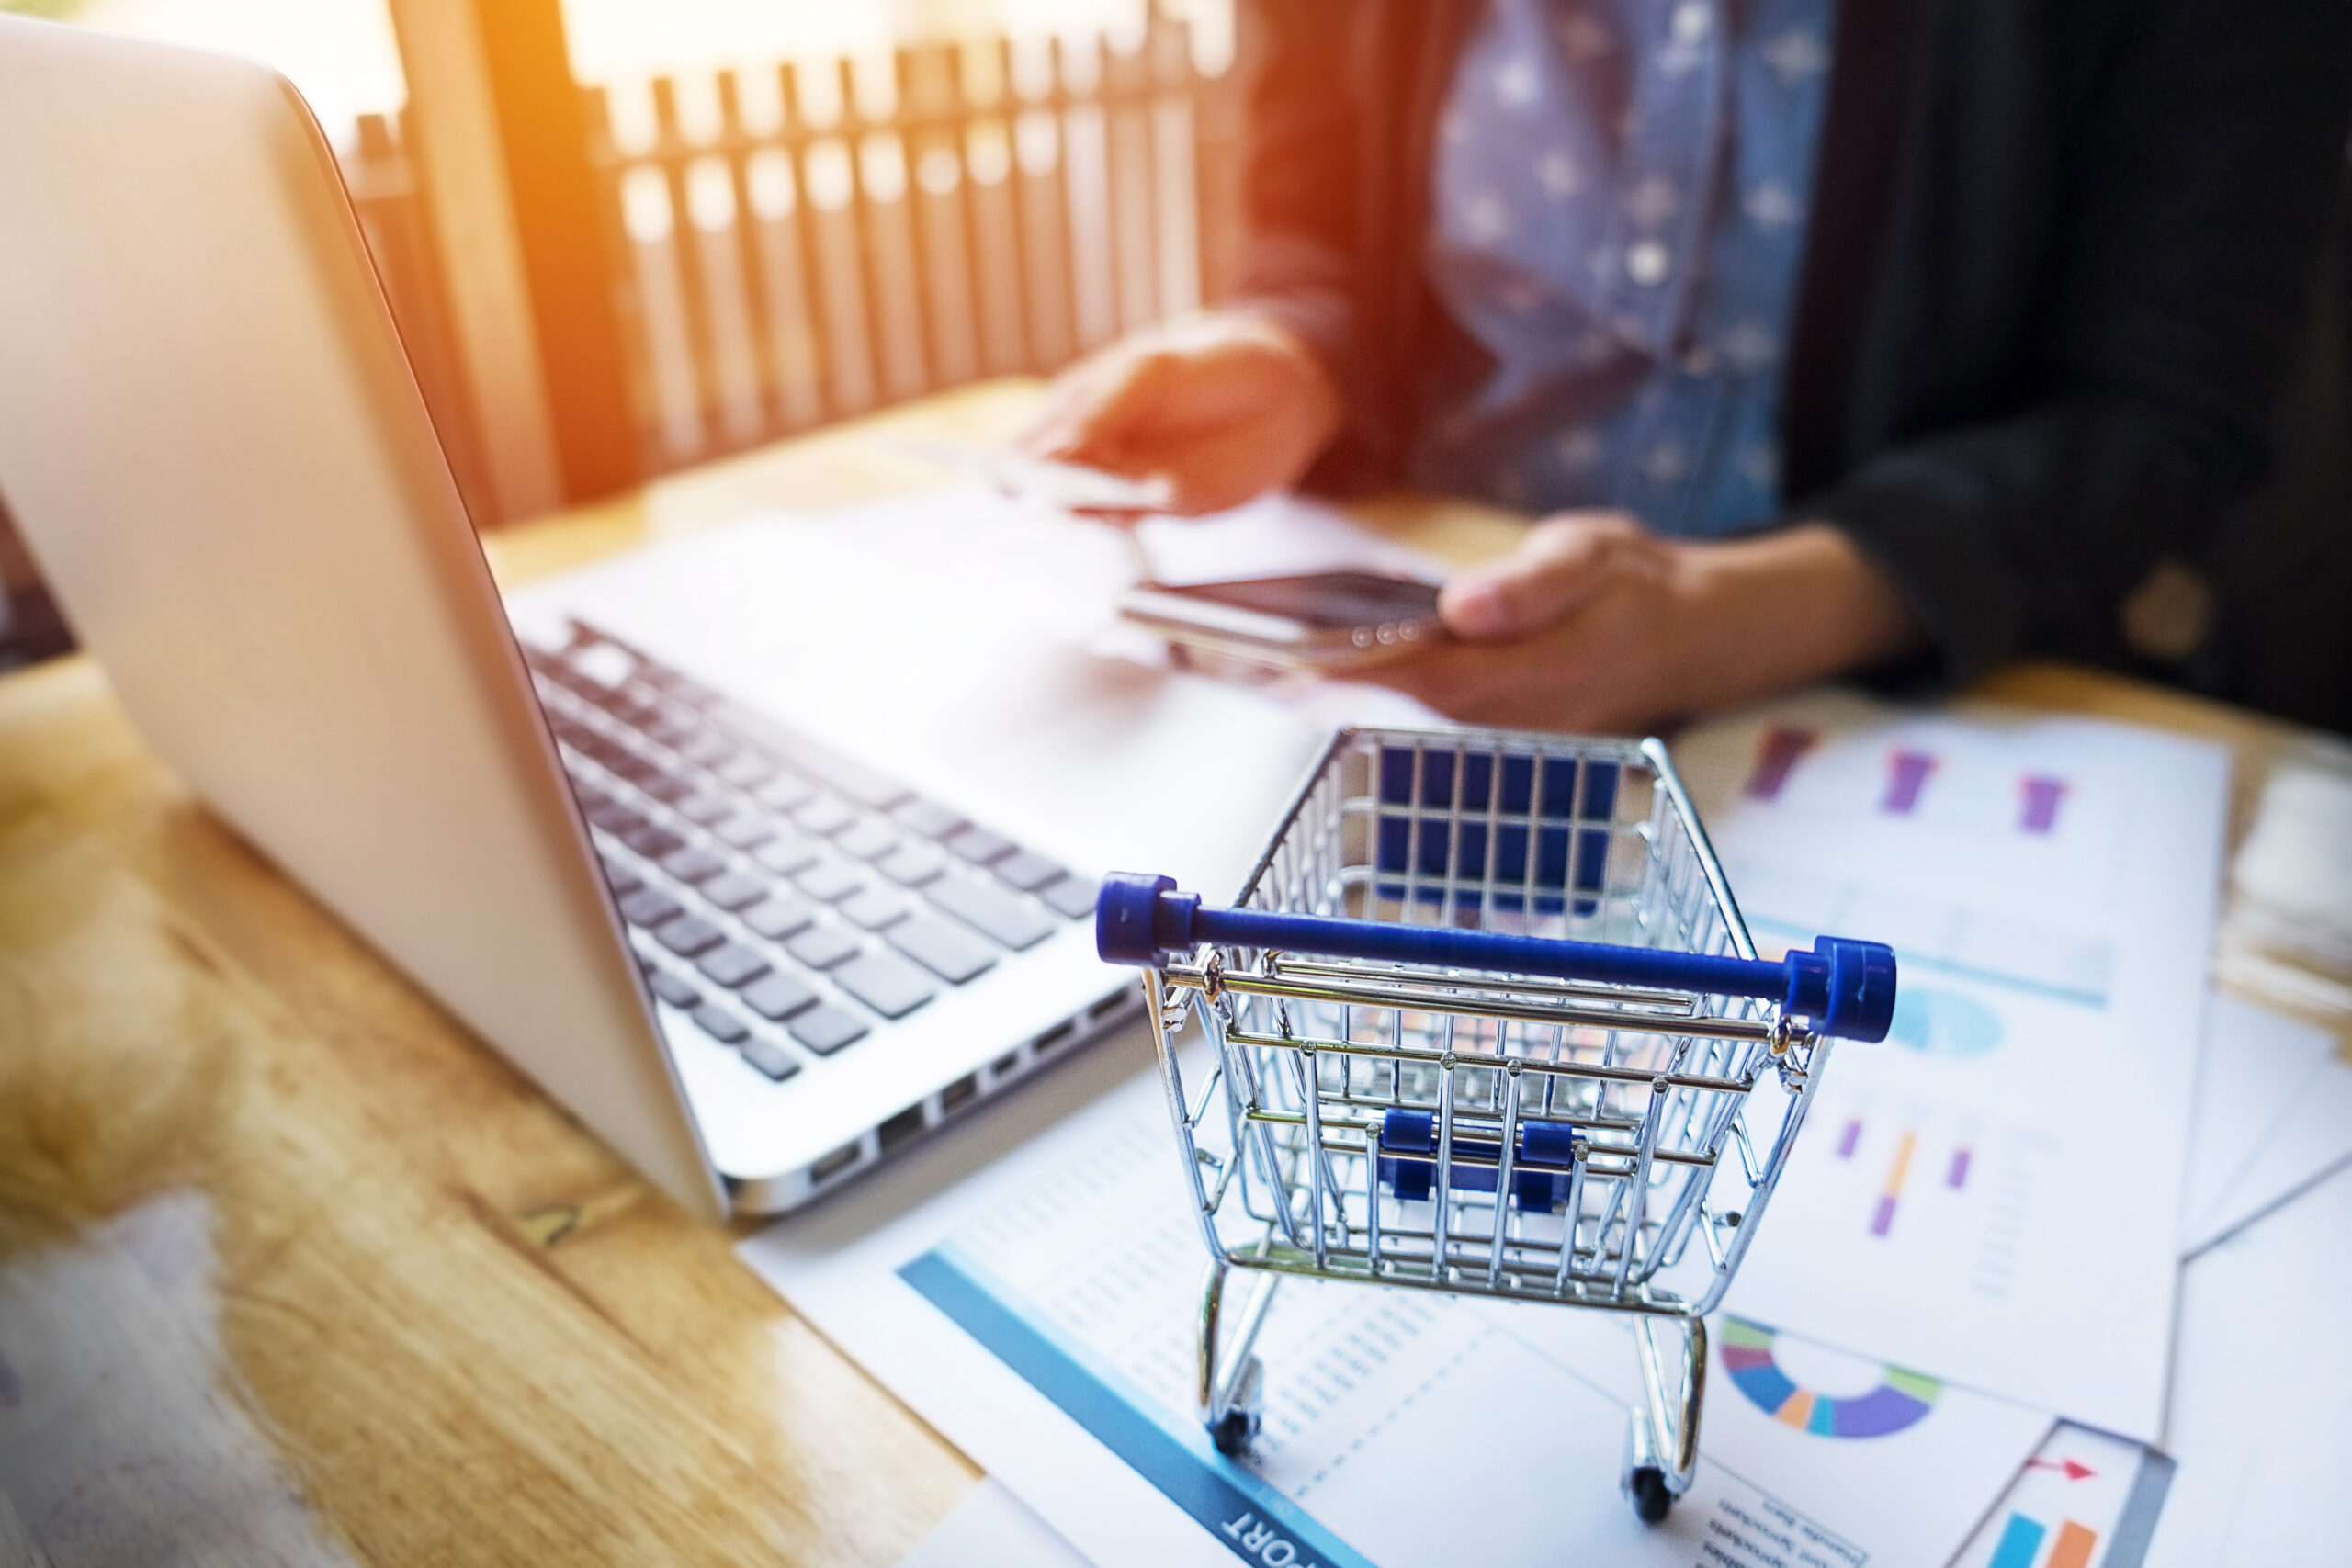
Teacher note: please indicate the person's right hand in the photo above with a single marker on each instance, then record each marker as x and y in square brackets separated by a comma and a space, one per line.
[1221, 408]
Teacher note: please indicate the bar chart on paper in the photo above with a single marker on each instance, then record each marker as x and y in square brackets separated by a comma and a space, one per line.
[2079, 1500]
[1906, 771]
[2023, 1538]
[2048, 888]
[1962, 820]
[1925, 1192]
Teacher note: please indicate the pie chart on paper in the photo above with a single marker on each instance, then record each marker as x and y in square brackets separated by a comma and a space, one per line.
[1900, 1400]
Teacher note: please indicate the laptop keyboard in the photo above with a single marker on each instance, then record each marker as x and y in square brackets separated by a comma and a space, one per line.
[790, 901]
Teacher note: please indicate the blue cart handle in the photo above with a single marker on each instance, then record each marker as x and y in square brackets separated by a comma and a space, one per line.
[1842, 987]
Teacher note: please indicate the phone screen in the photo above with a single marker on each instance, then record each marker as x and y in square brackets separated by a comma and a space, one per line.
[1327, 600]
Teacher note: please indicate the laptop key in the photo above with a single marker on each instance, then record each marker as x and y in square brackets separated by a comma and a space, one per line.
[708, 807]
[733, 965]
[1028, 871]
[862, 784]
[670, 988]
[866, 841]
[720, 1024]
[613, 757]
[694, 863]
[622, 762]
[886, 983]
[826, 1029]
[874, 909]
[772, 1060]
[777, 996]
[620, 876]
[667, 788]
[1072, 895]
[990, 910]
[979, 846]
[784, 792]
[912, 866]
[688, 936]
[779, 918]
[945, 948]
[821, 947]
[745, 769]
[744, 830]
[824, 814]
[597, 662]
[617, 816]
[787, 854]
[734, 891]
[829, 880]
[707, 749]
[927, 817]
[648, 907]
[653, 840]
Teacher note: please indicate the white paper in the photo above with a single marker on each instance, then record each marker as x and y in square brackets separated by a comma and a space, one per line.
[2311, 1138]
[2255, 1071]
[1922, 1485]
[1393, 1418]
[990, 1529]
[1045, 484]
[1994, 1193]
[2262, 1382]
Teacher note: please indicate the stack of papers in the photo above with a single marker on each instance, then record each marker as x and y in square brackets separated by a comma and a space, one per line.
[1979, 1239]
[1994, 1194]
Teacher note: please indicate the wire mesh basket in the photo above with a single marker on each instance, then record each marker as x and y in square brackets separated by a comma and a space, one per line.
[1486, 1020]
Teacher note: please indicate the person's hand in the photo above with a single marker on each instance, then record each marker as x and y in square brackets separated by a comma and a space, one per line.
[1596, 624]
[1221, 408]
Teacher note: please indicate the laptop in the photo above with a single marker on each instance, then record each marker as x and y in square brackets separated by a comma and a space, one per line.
[751, 850]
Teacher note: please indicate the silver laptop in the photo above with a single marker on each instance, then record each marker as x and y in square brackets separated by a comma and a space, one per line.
[759, 911]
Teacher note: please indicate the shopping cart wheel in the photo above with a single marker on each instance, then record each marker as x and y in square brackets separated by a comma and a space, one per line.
[1232, 1435]
[1651, 1499]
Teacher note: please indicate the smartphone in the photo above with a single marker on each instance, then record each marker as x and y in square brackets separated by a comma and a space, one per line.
[1324, 620]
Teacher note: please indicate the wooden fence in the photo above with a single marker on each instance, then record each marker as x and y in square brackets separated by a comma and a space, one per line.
[810, 242]
[826, 243]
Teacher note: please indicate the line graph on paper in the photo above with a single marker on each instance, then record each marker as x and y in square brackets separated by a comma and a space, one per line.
[1788, 908]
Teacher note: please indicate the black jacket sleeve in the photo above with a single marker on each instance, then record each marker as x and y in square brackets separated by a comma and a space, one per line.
[2191, 187]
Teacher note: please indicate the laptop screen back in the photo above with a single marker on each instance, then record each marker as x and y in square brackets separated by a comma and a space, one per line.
[214, 445]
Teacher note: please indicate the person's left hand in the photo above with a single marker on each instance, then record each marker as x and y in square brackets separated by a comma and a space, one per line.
[1595, 623]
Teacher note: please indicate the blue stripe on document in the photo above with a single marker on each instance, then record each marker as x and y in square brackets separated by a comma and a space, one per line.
[1257, 1523]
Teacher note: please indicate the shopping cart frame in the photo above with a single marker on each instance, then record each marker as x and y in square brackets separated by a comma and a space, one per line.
[1719, 1023]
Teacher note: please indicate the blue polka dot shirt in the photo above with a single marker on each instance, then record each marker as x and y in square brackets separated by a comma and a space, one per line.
[1620, 190]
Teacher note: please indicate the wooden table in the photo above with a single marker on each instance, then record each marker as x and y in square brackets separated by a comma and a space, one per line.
[292, 1267]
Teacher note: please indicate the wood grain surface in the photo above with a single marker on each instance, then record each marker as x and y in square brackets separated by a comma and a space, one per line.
[293, 1268]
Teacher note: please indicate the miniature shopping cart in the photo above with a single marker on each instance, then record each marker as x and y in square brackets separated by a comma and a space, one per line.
[1486, 1021]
